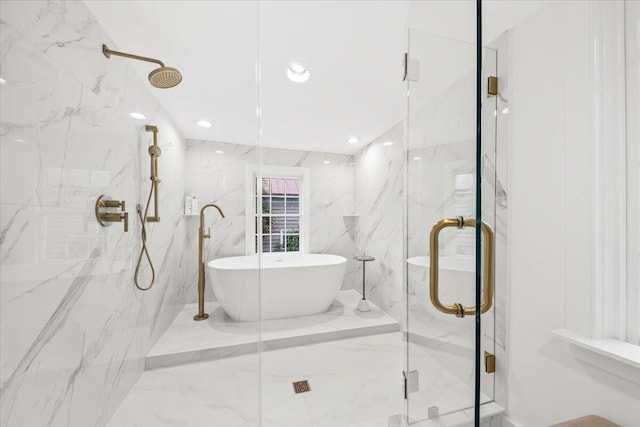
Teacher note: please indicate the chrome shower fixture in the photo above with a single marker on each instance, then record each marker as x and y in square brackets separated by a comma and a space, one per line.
[163, 77]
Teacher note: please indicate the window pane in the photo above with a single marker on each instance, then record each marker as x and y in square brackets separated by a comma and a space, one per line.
[293, 187]
[265, 186]
[266, 243]
[277, 186]
[293, 205]
[277, 224]
[277, 243]
[293, 225]
[277, 205]
[275, 198]
[293, 243]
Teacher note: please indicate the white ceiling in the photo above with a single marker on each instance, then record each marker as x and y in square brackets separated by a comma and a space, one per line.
[353, 50]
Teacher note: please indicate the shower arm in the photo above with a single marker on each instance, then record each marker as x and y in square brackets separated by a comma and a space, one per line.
[108, 52]
[154, 153]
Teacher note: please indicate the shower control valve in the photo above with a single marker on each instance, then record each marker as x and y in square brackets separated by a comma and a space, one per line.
[105, 214]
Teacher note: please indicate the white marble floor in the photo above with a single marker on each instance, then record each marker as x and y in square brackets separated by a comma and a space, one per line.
[354, 382]
[187, 341]
[450, 390]
[353, 362]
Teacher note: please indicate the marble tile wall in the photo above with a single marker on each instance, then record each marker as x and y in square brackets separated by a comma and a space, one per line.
[220, 178]
[379, 206]
[74, 328]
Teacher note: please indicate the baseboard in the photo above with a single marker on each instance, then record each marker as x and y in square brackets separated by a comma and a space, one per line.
[508, 422]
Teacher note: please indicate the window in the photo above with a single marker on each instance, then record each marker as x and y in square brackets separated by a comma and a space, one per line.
[280, 202]
[277, 201]
[616, 135]
[613, 344]
[632, 63]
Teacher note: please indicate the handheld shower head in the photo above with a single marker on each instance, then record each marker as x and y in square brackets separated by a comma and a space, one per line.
[162, 78]
[154, 151]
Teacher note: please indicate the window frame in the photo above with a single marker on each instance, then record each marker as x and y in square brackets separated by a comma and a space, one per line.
[610, 341]
[285, 216]
[255, 172]
[615, 297]
[632, 92]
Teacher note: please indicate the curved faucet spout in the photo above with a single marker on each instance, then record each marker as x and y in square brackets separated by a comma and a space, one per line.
[208, 205]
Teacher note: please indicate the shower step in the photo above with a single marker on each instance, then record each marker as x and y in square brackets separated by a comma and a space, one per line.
[187, 341]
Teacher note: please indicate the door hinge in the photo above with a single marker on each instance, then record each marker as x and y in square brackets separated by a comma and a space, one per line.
[411, 69]
[411, 382]
[489, 363]
[492, 86]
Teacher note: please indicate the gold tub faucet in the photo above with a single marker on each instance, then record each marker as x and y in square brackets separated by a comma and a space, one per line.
[201, 236]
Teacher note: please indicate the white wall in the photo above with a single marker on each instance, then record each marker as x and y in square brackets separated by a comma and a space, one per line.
[74, 330]
[550, 227]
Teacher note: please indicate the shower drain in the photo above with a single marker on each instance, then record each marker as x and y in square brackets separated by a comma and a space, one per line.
[301, 386]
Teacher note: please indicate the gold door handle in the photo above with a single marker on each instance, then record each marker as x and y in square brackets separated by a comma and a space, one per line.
[487, 288]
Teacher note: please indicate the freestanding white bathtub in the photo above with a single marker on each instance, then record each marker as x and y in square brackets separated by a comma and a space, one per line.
[292, 284]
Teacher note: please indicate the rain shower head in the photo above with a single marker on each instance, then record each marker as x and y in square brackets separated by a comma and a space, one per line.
[163, 77]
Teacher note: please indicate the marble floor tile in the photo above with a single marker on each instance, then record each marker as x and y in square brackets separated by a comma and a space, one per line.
[220, 393]
[351, 383]
[354, 382]
[292, 412]
[444, 385]
[220, 336]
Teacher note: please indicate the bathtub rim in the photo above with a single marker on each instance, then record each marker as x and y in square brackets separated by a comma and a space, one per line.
[215, 263]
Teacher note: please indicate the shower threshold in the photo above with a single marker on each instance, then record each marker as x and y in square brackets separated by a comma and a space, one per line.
[186, 341]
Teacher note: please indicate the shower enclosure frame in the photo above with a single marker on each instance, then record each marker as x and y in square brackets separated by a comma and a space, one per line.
[490, 127]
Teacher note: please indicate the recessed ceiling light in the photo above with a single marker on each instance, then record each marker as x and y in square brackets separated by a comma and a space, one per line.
[19, 140]
[326, 162]
[353, 140]
[219, 152]
[417, 158]
[204, 123]
[2, 81]
[297, 73]
[388, 143]
[505, 110]
[138, 116]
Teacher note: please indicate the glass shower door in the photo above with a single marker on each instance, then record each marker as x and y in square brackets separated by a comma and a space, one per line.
[441, 197]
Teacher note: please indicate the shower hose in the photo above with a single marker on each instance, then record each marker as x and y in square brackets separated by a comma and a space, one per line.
[144, 251]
